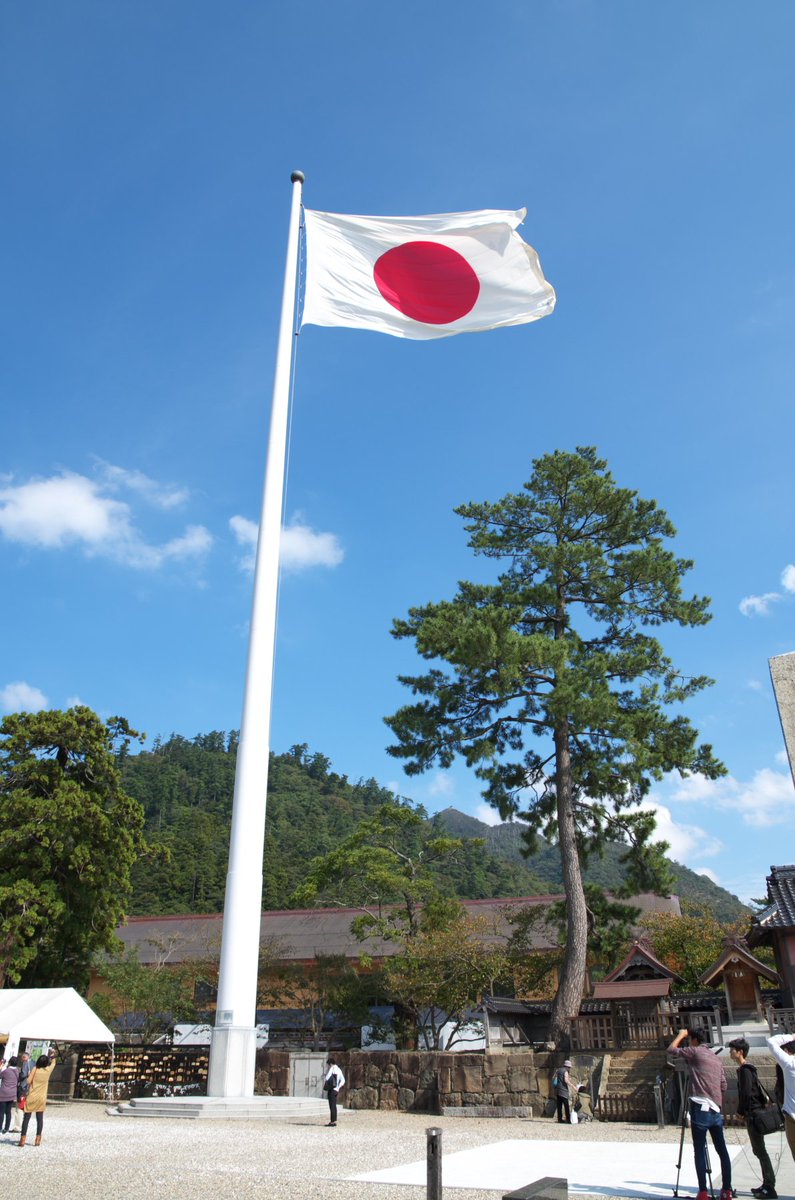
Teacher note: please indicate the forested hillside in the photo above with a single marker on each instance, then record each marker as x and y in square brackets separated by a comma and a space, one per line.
[186, 788]
[697, 893]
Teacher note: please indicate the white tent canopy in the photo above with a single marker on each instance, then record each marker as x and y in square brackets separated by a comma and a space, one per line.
[48, 1014]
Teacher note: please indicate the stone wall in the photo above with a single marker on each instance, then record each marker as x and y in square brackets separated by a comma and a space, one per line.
[427, 1082]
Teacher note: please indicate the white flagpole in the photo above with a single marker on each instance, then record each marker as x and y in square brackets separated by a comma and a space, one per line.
[234, 1042]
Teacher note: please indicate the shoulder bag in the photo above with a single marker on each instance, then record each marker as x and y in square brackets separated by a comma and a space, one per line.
[769, 1119]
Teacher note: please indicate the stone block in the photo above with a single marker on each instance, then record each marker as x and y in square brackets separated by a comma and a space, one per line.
[388, 1098]
[373, 1075]
[466, 1077]
[365, 1097]
[390, 1073]
[548, 1188]
[520, 1080]
[496, 1064]
[494, 1084]
[405, 1099]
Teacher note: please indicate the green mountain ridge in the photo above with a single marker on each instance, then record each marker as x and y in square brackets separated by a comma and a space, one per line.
[186, 787]
[505, 841]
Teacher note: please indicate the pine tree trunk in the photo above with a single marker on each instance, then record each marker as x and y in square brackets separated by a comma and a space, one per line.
[566, 1004]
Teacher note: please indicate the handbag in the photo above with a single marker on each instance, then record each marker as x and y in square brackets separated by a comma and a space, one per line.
[768, 1120]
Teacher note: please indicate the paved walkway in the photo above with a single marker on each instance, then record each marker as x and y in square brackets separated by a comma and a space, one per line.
[86, 1154]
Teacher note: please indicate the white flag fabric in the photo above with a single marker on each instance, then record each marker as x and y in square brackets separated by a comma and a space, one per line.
[422, 277]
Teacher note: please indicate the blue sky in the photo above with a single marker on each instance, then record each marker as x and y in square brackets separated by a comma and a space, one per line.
[147, 154]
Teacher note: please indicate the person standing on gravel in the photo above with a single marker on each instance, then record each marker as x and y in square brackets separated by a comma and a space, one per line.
[37, 1096]
[25, 1067]
[332, 1085]
[749, 1101]
[9, 1078]
[707, 1090]
[561, 1084]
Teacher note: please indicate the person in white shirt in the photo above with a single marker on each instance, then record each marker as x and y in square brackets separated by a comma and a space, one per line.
[782, 1047]
[332, 1084]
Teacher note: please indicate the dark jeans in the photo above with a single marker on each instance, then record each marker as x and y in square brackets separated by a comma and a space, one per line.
[563, 1106]
[39, 1123]
[5, 1115]
[701, 1124]
[332, 1105]
[759, 1148]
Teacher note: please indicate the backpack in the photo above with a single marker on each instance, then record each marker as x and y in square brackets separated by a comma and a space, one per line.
[555, 1080]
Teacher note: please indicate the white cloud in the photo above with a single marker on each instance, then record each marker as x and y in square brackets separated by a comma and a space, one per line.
[22, 697]
[301, 546]
[245, 532]
[163, 495]
[758, 606]
[488, 815]
[709, 874]
[766, 799]
[73, 510]
[441, 785]
[788, 578]
[755, 685]
[782, 758]
[74, 702]
[687, 843]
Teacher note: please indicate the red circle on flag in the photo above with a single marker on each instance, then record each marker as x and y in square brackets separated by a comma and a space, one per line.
[427, 282]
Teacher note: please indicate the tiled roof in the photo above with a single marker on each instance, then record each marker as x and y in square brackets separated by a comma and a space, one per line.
[300, 934]
[642, 952]
[780, 912]
[631, 989]
[781, 890]
[735, 950]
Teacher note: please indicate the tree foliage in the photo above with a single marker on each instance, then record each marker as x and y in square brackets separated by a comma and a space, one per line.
[186, 785]
[384, 868]
[440, 975]
[555, 692]
[69, 835]
[689, 943]
[328, 989]
[144, 1000]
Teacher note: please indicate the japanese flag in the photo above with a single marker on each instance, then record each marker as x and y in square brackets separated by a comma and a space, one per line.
[422, 277]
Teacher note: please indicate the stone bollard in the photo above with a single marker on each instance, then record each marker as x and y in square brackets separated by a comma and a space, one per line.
[434, 1152]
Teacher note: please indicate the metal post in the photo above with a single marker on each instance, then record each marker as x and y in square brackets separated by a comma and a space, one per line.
[434, 1150]
[658, 1104]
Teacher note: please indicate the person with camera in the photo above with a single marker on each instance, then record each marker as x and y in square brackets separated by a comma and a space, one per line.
[782, 1047]
[707, 1092]
[750, 1100]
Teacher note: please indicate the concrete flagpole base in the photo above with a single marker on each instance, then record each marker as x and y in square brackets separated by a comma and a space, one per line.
[233, 1055]
[223, 1108]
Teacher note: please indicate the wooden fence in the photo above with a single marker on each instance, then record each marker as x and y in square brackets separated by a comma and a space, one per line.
[781, 1020]
[628, 1029]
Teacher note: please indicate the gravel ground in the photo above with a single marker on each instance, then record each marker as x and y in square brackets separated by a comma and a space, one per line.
[86, 1154]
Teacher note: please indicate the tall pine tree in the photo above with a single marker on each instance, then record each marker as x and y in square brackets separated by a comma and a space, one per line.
[554, 692]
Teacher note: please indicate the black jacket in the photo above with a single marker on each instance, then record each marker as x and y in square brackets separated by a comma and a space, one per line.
[750, 1097]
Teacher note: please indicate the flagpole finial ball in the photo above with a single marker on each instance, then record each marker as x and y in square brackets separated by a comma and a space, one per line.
[297, 177]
